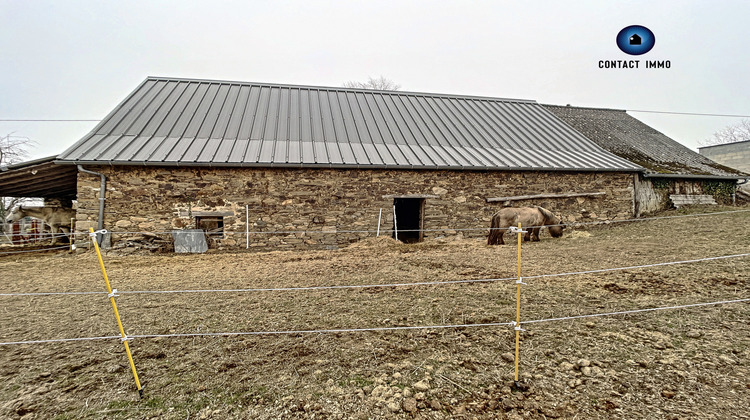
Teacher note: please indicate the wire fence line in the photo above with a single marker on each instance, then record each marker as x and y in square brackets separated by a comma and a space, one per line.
[289, 232]
[635, 311]
[378, 329]
[35, 250]
[51, 294]
[517, 324]
[59, 340]
[571, 224]
[383, 285]
[47, 235]
[43, 235]
[75, 235]
[603, 270]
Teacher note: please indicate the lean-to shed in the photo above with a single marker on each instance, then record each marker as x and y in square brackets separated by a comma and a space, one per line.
[673, 174]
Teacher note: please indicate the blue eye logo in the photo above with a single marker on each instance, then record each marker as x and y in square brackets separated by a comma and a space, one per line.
[635, 40]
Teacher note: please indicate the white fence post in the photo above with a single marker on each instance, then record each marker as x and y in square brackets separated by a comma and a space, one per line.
[395, 227]
[380, 216]
[247, 226]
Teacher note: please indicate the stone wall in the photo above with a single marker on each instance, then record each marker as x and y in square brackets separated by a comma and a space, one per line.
[649, 198]
[652, 194]
[320, 207]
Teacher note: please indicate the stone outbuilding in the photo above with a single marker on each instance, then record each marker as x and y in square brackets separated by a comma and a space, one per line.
[317, 165]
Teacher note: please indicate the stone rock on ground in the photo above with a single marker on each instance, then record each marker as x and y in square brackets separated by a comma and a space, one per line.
[409, 405]
[421, 386]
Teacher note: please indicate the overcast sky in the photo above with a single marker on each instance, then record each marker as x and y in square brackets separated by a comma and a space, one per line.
[79, 59]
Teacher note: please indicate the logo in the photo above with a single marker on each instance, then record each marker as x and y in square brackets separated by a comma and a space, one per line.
[635, 40]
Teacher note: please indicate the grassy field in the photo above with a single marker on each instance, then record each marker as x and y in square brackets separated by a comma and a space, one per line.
[683, 363]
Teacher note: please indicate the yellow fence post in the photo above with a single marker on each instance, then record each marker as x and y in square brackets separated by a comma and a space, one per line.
[112, 295]
[518, 329]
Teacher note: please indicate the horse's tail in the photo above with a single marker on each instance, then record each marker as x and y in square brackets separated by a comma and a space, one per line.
[494, 237]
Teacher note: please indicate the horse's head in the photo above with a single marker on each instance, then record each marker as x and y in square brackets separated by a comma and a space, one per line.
[15, 215]
[553, 222]
[557, 230]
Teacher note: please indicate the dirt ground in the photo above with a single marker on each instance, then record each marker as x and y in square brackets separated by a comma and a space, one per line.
[670, 364]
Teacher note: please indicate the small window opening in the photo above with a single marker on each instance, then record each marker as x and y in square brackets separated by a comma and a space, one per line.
[212, 225]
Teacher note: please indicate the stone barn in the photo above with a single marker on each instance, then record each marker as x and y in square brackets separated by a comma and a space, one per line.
[673, 174]
[302, 166]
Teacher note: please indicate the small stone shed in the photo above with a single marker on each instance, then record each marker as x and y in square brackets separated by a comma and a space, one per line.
[318, 164]
[673, 174]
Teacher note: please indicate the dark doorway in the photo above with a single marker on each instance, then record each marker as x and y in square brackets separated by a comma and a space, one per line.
[409, 219]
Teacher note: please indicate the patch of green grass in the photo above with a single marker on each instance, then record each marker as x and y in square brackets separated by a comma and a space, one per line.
[116, 404]
[358, 380]
[65, 416]
[155, 402]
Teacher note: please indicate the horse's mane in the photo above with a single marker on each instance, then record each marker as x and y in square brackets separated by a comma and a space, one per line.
[549, 218]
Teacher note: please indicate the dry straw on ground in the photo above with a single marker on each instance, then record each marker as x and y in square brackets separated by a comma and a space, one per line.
[655, 365]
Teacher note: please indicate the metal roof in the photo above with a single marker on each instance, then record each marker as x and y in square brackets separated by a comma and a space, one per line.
[38, 178]
[169, 121]
[631, 139]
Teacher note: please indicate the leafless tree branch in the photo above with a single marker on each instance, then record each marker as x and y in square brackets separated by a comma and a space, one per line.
[730, 134]
[12, 149]
[381, 83]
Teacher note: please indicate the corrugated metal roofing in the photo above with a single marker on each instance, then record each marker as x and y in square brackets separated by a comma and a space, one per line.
[38, 178]
[203, 122]
[629, 138]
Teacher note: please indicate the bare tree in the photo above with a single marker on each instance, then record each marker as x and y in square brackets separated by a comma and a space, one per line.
[381, 83]
[730, 134]
[12, 149]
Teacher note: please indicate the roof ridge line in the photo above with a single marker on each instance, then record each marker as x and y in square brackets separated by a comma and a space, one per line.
[585, 107]
[344, 89]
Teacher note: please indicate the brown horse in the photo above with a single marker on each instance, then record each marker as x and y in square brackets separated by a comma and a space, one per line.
[58, 218]
[531, 219]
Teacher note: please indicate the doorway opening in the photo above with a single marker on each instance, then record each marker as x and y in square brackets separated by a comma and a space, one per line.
[409, 219]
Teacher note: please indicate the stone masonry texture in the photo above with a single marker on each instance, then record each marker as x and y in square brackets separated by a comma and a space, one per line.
[320, 207]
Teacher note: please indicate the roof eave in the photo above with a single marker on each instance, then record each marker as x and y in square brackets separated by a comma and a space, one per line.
[20, 165]
[341, 166]
[693, 176]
